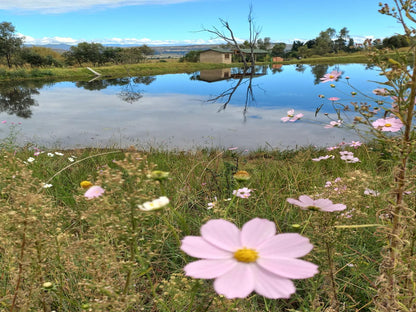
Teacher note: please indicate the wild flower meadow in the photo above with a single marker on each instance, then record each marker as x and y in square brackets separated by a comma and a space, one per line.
[310, 229]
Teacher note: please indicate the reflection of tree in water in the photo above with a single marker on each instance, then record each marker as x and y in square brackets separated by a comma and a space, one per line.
[101, 84]
[319, 71]
[130, 91]
[300, 68]
[243, 77]
[16, 99]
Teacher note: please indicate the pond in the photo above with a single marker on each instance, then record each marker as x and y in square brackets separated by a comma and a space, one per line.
[216, 108]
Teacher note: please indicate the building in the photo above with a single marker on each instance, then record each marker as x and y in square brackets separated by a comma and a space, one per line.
[218, 55]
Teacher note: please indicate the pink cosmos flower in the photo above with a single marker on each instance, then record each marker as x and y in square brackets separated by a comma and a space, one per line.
[94, 191]
[333, 124]
[348, 157]
[242, 193]
[321, 204]
[389, 124]
[291, 116]
[4, 121]
[323, 157]
[251, 259]
[355, 144]
[334, 98]
[332, 76]
[380, 91]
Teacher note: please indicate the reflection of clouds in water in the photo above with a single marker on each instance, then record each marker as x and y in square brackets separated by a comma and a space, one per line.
[89, 118]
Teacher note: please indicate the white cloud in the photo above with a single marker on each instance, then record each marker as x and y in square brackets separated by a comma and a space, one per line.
[122, 41]
[62, 6]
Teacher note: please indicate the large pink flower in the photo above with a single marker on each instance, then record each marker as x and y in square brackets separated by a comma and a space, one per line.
[332, 76]
[321, 204]
[253, 259]
[94, 191]
[389, 124]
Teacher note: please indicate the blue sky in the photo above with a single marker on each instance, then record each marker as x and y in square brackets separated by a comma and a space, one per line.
[180, 21]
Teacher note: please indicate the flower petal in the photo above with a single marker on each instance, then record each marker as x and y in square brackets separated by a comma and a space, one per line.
[256, 231]
[334, 207]
[272, 286]
[209, 268]
[287, 245]
[198, 247]
[222, 234]
[237, 283]
[289, 267]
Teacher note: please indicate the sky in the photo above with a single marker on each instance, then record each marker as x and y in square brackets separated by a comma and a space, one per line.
[181, 22]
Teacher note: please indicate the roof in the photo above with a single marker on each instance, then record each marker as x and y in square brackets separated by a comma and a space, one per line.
[220, 50]
[246, 51]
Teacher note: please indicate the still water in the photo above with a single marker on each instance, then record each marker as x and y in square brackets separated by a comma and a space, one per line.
[219, 108]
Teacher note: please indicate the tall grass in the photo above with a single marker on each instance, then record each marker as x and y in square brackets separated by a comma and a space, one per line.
[62, 252]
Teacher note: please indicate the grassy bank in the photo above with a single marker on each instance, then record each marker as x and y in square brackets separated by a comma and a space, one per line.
[115, 71]
[153, 68]
[60, 251]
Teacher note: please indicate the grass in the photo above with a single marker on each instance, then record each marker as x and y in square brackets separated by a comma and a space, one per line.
[154, 68]
[114, 71]
[59, 251]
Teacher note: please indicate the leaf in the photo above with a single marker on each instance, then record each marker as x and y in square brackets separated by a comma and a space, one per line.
[318, 109]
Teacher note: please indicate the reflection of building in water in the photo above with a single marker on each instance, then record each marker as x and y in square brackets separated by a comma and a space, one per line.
[277, 66]
[211, 75]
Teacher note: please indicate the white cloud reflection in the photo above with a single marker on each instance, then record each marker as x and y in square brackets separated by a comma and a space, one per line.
[92, 118]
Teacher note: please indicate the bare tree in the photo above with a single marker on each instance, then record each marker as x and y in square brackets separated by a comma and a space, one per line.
[228, 36]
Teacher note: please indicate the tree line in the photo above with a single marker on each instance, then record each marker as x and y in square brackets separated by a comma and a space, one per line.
[14, 53]
[327, 42]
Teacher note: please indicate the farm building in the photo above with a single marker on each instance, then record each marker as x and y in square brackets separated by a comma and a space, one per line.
[218, 55]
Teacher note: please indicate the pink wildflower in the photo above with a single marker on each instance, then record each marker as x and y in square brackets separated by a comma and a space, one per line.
[389, 124]
[355, 144]
[94, 191]
[242, 193]
[334, 98]
[332, 76]
[380, 91]
[321, 204]
[331, 148]
[323, 157]
[348, 157]
[291, 116]
[4, 121]
[251, 259]
[333, 124]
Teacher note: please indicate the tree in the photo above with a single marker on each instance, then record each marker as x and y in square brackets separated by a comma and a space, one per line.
[228, 36]
[191, 56]
[324, 43]
[340, 42]
[10, 43]
[264, 44]
[279, 49]
[296, 44]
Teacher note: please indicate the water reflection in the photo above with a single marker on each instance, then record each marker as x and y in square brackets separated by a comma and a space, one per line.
[241, 78]
[176, 111]
[18, 99]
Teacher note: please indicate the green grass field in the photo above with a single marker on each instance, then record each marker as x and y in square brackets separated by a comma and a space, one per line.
[60, 251]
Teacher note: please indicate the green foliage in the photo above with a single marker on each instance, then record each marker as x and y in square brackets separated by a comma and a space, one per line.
[191, 56]
[10, 43]
[99, 55]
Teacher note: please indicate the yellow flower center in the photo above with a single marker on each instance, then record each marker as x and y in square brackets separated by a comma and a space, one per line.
[387, 125]
[331, 76]
[246, 255]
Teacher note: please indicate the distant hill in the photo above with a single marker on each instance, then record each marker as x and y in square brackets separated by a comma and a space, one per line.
[176, 50]
[173, 51]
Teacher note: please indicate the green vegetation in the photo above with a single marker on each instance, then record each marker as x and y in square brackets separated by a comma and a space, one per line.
[60, 251]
